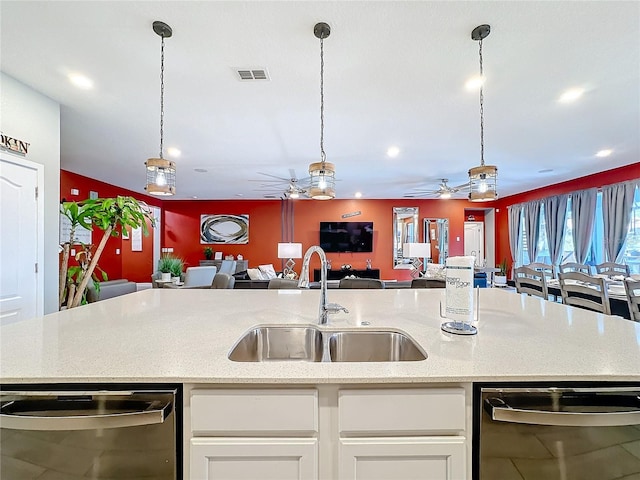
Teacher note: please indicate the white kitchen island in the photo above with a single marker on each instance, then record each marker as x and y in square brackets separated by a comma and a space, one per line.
[333, 414]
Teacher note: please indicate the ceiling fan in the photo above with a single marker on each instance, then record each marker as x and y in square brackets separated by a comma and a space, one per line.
[291, 187]
[443, 190]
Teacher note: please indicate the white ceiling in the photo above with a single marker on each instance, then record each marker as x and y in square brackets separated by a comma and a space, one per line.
[394, 75]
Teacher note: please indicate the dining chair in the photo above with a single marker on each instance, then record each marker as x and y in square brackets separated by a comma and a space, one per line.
[282, 284]
[574, 267]
[585, 291]
[548, 270]
[428, 283]
[222, 281]
[611, 268]
[531, 282]
[370, 283]
[632, 288]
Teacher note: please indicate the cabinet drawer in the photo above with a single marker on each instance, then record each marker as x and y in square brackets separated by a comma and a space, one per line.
[254, 412]
[416, 411]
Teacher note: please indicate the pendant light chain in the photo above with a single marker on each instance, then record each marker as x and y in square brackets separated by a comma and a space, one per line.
[161, 96]
[323, 156]
[481, 108]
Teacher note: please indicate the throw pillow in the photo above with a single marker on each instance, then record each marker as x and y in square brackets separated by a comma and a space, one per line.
[268, 272]
[255, 274]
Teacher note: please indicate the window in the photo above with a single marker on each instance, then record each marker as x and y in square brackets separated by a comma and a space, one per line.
[631, 255]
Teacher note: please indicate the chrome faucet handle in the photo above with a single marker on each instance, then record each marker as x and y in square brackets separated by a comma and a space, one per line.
[335, 308]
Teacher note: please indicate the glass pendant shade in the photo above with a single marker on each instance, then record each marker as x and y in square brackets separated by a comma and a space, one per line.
[483, 183]
[322, 184]
[161, 177]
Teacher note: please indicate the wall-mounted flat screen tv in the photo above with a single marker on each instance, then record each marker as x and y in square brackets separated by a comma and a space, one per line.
[346, 236]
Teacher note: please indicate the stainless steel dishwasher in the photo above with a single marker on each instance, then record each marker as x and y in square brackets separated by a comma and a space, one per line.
[90, 434]
[564, 433]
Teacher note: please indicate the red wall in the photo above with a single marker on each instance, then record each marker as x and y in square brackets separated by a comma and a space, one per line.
[181, 228]
[135, 266]
[621, 174]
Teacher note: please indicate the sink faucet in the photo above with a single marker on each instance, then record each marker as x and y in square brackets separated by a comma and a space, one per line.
[325, 308]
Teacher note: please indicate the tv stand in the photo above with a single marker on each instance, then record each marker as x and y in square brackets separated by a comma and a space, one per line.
[340, 274]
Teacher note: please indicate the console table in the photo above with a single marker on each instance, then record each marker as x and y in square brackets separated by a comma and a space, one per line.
[340, 274]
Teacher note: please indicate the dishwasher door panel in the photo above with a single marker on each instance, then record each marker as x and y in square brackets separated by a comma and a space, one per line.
[529, 451]
[142, 452]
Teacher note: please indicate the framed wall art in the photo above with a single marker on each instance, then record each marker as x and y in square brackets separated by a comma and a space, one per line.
[224, 229]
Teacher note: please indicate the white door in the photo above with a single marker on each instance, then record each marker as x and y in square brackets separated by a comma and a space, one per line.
[409, 458]
[21, 240]
[474, 241]
[254, 458]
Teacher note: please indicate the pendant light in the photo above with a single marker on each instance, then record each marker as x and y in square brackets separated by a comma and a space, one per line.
[483, 179]
[322, 174]
[161, 173]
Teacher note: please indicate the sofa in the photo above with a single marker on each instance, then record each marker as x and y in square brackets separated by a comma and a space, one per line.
[110, 289]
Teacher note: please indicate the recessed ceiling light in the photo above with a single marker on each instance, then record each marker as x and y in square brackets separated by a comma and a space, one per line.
[571, 95]
[393, 151]
[173, 152]
[81, 81]
[546, 170]
[604, 153]
[474, 83]
[358, 195]
[195, 196]
[241, 195]
[200, 170]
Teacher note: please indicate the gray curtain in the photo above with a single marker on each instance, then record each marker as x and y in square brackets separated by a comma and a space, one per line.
[555, 214]
[532, 224]
[617, 202]
[515, 216]
[583, 217]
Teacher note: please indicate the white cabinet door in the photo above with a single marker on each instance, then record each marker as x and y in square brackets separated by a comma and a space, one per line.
[409, 458]
[254, 458]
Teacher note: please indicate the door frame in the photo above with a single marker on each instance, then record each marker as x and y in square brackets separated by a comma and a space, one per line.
[39, 169]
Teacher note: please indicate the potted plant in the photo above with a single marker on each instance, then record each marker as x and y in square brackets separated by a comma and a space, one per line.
[500, 278]
[170, 266]
[107, 214]
[208, 253]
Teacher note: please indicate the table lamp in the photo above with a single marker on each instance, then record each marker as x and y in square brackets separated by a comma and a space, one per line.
[289, 251]
[416, 251]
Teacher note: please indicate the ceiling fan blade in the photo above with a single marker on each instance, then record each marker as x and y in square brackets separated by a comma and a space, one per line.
[283, 179]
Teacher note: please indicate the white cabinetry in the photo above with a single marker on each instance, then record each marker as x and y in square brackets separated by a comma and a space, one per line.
[327, 432]
[254, 434]
[416, 433]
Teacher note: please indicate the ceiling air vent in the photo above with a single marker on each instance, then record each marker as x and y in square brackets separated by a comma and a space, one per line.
[249, 74]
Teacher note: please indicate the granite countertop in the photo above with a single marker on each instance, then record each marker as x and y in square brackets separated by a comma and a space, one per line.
[165, 335]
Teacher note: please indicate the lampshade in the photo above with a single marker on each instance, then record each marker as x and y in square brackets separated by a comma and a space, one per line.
[289, 250]
[483, 183]
[322, 181]
[161, 177]
[416, 250]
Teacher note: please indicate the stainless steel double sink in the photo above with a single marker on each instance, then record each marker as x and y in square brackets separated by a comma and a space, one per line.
[311, 343]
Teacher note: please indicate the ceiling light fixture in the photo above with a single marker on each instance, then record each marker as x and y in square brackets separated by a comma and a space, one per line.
[358, 195]
[161, 173]
[604, 153]
[323, 174]
[81, 81]
[484, 178]
[571, 95]
[393, 151]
